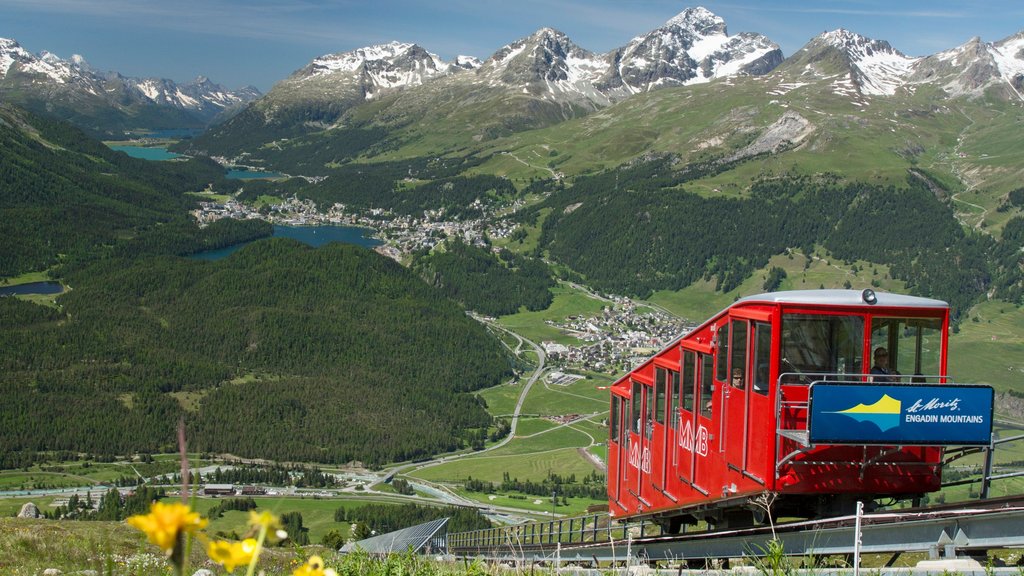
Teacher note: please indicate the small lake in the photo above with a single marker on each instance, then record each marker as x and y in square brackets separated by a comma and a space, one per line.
[235, 174]
[32, 288]
[147, 152]
[312, 235]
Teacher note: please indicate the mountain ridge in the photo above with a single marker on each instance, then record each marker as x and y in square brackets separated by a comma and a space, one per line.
[72, 89]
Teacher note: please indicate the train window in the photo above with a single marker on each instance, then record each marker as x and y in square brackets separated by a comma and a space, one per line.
[762, 356]
[723, 352]
[614, 423]
[636, 408]
[707, 385]
[816, 345]
[673, 385]
[738, 377]
[660, 377]
[688, 380]
[914, 345]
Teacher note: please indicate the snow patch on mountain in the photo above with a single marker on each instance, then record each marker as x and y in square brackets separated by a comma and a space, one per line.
[877, 68]
[1009, 59]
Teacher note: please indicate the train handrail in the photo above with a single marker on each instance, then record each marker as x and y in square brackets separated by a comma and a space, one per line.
[799, 433]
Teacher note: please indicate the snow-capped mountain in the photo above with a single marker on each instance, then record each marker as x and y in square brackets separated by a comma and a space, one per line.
[547, 63]
[74, 90]
[857, 65]
[531, 82]
[373, 70]
[974, 67]
[691, 48]
[200, 94]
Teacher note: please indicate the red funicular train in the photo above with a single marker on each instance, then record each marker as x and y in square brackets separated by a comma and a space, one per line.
[776, 395]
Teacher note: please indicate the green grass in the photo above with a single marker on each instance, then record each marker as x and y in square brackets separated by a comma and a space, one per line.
[521, 465]
[28, 546]
[86, 473]
[567, 302]
[532, 503]
[989, 348]
[699, 301]
[501, 400]
[580, 397]
[317, 513]
[209, 196]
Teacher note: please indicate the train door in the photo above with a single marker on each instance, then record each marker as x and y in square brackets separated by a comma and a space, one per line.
[761, 415]
[657, 440]
[639, 440]
[734, 396]
[619, 435]
[688, 386]
[702, 450]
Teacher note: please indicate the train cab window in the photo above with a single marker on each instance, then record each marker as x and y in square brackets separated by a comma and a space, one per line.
[738, 378]
[635, 413]
[913, 344]
[688, 380]
[814, 346]
[762, 357]
[707, 385]
[723, 353]
[660, 380]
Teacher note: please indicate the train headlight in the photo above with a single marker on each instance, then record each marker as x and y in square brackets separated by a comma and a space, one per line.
[868, 295]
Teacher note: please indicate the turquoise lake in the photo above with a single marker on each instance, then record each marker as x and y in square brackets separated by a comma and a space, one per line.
[311, 235]
[147, 152]
[159, 153]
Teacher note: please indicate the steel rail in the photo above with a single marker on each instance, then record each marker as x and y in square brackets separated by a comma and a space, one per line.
[969, 529]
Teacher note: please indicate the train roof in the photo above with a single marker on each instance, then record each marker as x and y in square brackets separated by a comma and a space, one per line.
[843, 298]
[833, 297]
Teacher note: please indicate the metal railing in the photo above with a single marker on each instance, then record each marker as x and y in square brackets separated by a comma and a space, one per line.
[592, 528]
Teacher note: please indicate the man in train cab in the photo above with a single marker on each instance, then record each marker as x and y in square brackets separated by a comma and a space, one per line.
[737, 378]
[880, 368]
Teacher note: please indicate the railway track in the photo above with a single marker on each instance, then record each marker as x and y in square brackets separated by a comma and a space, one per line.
[946, 531]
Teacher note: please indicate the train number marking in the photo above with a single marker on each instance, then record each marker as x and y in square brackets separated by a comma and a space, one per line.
[641, 460]
[691, 442]
[702, 441]
[686, 435]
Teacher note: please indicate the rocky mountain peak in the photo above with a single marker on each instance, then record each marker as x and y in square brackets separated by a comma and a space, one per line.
[871, 67]
[690, 48]
[698, 20]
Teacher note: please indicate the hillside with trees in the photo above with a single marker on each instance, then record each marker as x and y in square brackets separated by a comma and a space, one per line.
[280, 351]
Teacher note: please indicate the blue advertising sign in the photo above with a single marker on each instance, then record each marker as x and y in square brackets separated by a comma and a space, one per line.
[894, 414]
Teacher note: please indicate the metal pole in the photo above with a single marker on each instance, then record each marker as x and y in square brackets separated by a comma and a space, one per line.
[856, 539]
[986, 479]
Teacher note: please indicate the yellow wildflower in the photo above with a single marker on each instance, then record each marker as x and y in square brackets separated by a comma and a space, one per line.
[231, 554]
[165, 521]
[314, 567]
[269, 522]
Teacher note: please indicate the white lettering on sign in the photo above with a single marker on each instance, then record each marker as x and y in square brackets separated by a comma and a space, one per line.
[692, 442]
[934, 404]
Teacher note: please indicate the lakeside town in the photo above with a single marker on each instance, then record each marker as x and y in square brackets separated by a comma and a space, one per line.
[617, 339]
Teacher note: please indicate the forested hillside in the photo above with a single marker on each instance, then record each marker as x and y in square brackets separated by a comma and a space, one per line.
[665, 237]
[280, 351]
[492, 284]
[63, 193]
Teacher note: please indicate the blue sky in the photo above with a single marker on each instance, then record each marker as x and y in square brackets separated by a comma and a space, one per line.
[259, 42]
